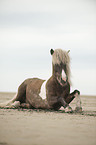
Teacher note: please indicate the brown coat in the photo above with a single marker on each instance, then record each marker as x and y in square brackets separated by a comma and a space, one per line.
[54, 91]
[32, 94]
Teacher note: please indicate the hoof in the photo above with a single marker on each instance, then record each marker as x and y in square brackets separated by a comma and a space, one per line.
[68, 110]
[16, 104]
[25, 105]
[76, 91]
[78, 109]
[9, 107]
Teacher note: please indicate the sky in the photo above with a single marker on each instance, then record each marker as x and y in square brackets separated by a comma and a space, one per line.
[29, 29]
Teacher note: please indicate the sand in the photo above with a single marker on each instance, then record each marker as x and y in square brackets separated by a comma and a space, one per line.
[38, 127]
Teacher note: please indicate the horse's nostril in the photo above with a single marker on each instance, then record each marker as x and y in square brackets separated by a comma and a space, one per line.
[63, 81]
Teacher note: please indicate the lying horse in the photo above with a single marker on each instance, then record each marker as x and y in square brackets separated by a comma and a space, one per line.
[51, 94]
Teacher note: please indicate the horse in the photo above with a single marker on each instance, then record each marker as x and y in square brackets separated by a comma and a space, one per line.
[54, 93]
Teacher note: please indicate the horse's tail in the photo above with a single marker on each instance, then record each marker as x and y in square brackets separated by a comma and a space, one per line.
[8, 103]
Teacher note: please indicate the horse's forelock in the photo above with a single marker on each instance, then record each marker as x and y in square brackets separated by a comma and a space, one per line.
[61, 56]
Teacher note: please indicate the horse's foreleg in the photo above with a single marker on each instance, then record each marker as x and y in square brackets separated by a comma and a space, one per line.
[65, 105]
[78, 107]
[71, 96]
[65, 102]
[75, 94]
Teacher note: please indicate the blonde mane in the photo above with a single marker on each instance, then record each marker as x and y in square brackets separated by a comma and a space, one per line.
[62, 56]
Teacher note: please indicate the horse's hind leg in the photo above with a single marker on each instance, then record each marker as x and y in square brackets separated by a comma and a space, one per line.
[19, 98]
[8, 103]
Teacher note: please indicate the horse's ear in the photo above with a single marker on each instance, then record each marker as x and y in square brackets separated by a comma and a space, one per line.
[68, 51]
[51, 51]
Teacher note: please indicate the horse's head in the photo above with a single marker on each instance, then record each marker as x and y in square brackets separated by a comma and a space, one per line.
[61, 63]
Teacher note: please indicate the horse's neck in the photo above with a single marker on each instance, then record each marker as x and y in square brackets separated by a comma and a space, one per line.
[55, 80]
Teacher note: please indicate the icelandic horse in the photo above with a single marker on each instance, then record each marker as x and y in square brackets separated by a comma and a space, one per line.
[51, 94]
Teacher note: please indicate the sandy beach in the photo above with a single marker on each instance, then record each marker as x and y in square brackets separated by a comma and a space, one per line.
[39, 127]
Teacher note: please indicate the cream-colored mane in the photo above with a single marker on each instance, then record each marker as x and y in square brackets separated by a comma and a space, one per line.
[62, 56]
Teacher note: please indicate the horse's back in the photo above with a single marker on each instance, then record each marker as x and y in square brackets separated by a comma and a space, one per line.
[32, 81]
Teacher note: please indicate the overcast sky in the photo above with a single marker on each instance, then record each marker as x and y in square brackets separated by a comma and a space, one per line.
[29, 28]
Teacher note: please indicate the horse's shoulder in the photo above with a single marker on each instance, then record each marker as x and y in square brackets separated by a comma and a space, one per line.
[50, 81]
[51, 84]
